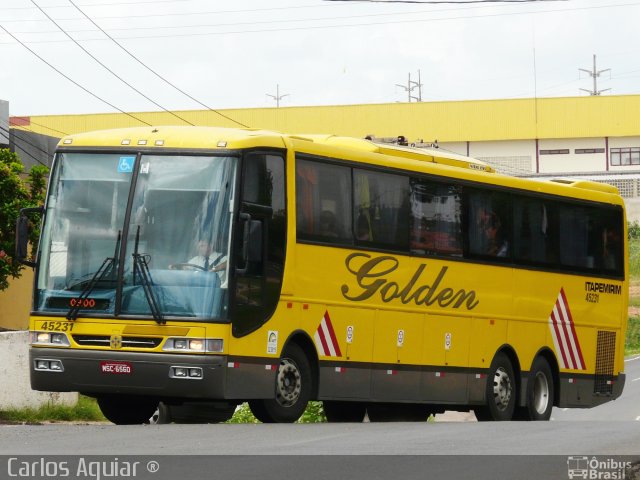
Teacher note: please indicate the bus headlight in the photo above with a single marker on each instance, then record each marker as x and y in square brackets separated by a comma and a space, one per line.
[194, 345]
[47, 365]
[52, 339]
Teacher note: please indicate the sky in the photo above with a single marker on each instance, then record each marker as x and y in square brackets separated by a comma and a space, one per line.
[235, 53]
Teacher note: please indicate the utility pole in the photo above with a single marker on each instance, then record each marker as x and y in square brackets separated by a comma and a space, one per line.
[410, 86]
[594, 74]
[277, 97]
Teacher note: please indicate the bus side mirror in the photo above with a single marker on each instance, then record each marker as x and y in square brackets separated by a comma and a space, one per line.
[251, 242]
[22, 236]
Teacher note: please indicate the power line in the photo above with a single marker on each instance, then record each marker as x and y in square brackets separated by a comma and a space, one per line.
[370, 24]
[148, 15]
[153, 71]
[216, 12]
[70, 79]
[103, 4]
[154, 2]
[440, 2]
[108, 69]
[45, 126]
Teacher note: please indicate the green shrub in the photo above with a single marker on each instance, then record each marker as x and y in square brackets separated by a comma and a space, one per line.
[632, 343]
[85, 410]
[634, 258]
[313, 414]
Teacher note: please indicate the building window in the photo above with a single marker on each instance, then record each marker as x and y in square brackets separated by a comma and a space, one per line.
[557, 151]
[625, 156]
[588, 150]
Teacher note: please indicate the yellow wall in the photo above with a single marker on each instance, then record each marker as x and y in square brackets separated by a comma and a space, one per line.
[477, 120]
[15, 302]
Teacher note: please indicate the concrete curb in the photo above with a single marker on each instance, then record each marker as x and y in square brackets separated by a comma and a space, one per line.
[15, 388]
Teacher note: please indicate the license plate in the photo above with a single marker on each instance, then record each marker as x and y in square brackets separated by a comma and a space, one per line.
[117, 368]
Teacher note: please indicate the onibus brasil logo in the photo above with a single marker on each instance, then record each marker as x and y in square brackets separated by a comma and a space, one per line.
[597, 468]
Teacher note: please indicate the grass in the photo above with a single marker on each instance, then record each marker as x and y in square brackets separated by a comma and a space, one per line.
[632, 344]
[85, 410]
[634, 259]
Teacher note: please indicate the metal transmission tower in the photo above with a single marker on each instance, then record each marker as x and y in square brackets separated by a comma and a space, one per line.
[277, 97]
[594, 74]
[410, 86]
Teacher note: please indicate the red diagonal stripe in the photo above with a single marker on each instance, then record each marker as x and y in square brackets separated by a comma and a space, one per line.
[323, 340]
[556, 327]
[332, 334]
[564, 322]
[582, 365]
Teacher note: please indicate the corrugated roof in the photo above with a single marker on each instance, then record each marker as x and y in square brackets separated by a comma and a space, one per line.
[473, 120]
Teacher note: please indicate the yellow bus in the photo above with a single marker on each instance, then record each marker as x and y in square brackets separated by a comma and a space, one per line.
[205, 267]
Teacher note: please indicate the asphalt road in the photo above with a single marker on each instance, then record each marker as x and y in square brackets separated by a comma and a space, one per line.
[612, 428]
[443, 449]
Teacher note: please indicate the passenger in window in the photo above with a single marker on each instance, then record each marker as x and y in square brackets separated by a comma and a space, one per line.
[363, 230]
[328, 224]
[611, 246]
[493, 240]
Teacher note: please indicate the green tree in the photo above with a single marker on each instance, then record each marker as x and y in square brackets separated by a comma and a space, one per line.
[16, 192]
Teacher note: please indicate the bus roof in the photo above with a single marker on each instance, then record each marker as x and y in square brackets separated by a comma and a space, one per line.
[401, 157]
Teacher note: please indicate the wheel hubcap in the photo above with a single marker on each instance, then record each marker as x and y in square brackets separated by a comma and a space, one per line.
[288, 383]
[502, 389]
[540, 393]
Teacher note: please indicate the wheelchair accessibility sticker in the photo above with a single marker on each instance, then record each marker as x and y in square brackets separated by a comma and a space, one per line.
[125, 165]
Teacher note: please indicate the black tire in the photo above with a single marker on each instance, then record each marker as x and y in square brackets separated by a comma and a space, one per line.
[343, 412]
[398, 412]
[501, 391]
[161, 416]
[292, 389]
[127, 410]
[540, 392]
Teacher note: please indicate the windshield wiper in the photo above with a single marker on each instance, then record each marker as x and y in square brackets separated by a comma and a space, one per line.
[141, 269]
[108, 267]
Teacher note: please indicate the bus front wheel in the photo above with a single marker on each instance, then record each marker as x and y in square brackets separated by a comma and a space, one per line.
[292, 390]
[500, 392]
[127, 410]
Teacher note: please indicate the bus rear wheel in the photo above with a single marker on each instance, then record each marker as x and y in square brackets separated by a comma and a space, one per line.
[539, 392]
[127, 410]
[292, 390]
[500, 391]
[343, 412]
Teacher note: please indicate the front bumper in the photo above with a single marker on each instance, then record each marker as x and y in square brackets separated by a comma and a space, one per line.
[83, 371]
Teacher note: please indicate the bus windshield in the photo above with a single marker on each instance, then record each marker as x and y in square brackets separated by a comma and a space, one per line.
[117, 225]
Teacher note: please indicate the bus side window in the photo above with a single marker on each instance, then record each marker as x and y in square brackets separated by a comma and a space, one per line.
[323, 202]
[531, 231]
[488, 224]
[574, 238]
[381, 209]
[436, 218]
